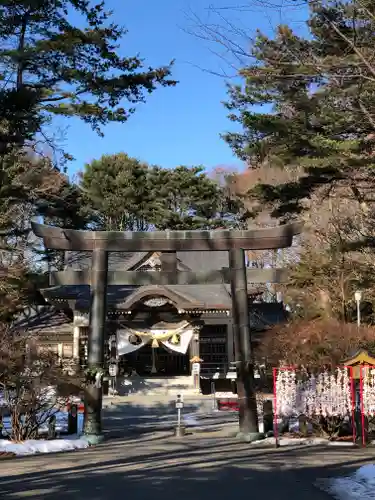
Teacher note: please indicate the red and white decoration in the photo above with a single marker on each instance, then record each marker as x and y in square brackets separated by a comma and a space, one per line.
[327, 394]
[368, 389]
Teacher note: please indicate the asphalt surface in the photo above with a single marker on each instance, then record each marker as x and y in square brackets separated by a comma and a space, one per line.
[158, 466]
[132, 415]
[142, 460]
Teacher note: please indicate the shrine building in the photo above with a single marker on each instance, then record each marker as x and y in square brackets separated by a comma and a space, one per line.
[152, 329]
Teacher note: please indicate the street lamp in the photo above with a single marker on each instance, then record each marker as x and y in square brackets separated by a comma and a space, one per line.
[358, 298]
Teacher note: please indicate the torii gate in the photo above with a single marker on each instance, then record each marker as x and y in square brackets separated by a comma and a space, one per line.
[235, 242]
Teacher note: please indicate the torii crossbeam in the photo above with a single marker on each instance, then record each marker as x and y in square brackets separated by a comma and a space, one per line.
[167, 241]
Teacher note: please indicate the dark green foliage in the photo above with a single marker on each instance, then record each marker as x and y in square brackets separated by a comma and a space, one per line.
[318, 103]
[31, 186]
[119, 191]
[50, 66]
[126, 194]
[19, 119]
[191, 200]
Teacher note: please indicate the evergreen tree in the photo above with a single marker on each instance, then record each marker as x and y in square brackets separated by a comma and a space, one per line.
[51, 66]
[191, 200]
[126, 194]
[119, 191]
[307, 106]
[318, 99]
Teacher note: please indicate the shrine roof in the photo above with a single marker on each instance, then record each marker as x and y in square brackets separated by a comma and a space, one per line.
[51, 319]
[117, 261]
[126, 296]
[207, 261]
[126, 261]
[361, 357]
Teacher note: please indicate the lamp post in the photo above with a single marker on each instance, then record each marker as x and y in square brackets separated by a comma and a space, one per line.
[358, 298]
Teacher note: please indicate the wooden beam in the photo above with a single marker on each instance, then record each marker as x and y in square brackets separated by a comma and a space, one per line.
[71, 277]
[169, 266]
[167, 241]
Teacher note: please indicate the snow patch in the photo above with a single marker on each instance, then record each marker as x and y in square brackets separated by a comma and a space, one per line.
[285, 441]
[190, 420]
[228, 395]
[341, 443]
[358, 486]
[32, 447]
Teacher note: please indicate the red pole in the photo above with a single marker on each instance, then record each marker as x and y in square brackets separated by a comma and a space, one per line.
[353, 402]
[275, 427]
[362, 406]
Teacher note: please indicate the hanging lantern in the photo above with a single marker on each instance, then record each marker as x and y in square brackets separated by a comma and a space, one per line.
[134, 339]
[155, 344]
[176, 339]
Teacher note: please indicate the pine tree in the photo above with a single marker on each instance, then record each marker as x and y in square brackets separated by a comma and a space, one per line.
[307, 106]
[119, 191]
[191, 200]
[318, 96]
[52, 67]
[128, 195]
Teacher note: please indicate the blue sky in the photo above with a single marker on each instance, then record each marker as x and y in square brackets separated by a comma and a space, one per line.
[181, 125]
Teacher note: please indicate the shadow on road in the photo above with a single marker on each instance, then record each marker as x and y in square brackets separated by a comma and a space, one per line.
[160, 468]
[128, 417]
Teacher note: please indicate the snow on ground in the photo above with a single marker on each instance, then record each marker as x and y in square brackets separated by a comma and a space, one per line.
[31, 447]
[190, 420]
[358, 486]
[291, 441]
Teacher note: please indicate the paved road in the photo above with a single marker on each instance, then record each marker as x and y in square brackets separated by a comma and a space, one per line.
[143, 413]
[157, 466]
